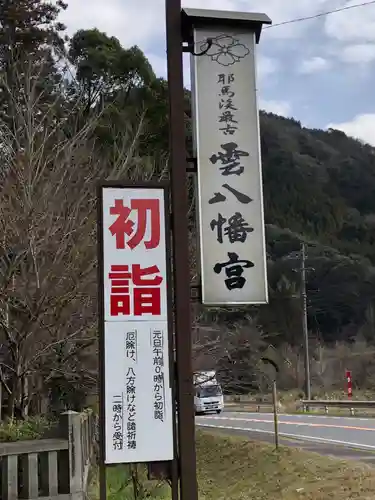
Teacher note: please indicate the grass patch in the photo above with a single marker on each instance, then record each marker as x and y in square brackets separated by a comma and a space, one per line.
[235, 469]
[232, 468]
[23, 430]
[120, 485]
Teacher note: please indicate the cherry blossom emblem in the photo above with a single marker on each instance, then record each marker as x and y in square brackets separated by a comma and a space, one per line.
[225, 50]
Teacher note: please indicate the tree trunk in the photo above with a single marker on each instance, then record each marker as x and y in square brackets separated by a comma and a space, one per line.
[18, 402]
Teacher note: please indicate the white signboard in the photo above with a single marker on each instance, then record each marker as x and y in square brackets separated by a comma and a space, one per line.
[232, 239]
[138, 397]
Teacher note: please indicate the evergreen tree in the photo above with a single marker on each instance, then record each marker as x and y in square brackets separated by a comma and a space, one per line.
[26, 25]
[30, 40]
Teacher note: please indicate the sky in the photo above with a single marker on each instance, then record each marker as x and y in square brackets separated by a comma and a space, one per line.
[320, 71]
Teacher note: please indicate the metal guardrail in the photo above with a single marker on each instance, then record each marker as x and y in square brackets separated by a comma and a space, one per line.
[340, 403]
[249, 404]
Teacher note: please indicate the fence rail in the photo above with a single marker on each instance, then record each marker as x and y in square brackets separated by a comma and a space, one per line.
[50, 469]
[340, 403]
[245, 402]
[258, 406]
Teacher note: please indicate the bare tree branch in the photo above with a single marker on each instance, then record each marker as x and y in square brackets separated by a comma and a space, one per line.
[48, 218]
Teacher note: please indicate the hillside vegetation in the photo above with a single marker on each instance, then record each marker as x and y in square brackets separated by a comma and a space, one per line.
[320, 188]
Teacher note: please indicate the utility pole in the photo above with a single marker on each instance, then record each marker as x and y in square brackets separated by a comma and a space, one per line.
[182, 315]
[304, 322]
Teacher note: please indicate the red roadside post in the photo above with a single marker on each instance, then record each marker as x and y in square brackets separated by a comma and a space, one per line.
[349, 383]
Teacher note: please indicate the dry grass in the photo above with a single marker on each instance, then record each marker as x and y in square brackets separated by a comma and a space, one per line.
[232, 468]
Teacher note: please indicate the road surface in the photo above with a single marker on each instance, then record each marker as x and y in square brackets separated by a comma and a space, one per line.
[345, 437]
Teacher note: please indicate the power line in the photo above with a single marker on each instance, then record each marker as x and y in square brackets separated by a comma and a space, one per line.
[321, 14]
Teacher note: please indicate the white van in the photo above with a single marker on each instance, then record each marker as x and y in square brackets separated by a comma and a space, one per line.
[208, 393]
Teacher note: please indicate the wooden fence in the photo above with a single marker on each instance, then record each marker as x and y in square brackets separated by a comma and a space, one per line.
[50, 469]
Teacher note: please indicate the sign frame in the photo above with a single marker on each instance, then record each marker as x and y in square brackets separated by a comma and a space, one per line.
[101, 186]
[222, 30]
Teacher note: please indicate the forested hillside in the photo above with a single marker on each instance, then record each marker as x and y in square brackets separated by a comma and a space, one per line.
[320, 188]
[319, 183]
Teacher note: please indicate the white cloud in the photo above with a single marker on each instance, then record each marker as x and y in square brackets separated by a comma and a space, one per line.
[355, 30]
[133, 23]
[362, 127]
[212, 4]
[352, 25]
[285, 10]
[143, 21]
[314, 65]
[282, 108]
[359, 53]
[266, 66]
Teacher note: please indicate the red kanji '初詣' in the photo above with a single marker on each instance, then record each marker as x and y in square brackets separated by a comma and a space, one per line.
[146, 290]
[125, 226]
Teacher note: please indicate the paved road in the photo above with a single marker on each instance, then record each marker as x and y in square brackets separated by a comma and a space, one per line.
[339, 436]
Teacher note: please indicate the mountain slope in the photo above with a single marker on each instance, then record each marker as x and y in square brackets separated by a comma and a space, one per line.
[320, 184]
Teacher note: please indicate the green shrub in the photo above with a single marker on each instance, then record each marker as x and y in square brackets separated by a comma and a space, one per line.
[120, 485]
[20, 430]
